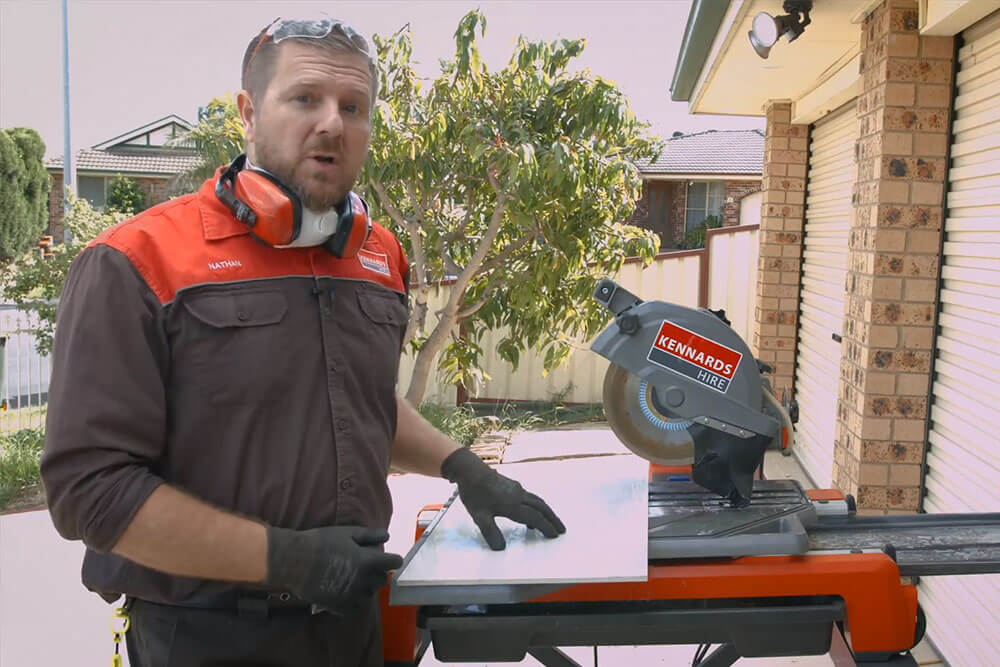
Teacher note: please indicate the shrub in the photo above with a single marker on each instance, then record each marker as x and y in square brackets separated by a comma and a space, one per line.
[126, 196]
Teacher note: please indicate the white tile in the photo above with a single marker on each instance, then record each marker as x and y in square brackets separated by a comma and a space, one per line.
[47, 617]
[603, 503]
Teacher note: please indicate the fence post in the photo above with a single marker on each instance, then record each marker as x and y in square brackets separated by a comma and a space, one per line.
[3, 371]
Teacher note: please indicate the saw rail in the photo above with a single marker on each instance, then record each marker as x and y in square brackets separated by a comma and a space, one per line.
[922, 545]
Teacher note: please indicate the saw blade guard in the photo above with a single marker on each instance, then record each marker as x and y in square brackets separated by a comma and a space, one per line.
[695, 381]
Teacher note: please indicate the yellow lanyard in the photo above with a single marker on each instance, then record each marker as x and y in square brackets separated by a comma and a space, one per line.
[119, 633]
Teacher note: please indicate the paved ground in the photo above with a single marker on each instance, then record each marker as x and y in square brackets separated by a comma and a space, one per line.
[48, 618]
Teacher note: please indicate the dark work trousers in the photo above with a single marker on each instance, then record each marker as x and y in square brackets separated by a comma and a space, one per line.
[174, 636]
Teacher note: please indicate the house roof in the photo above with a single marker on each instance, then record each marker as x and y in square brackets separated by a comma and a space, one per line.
[143, 150]
[145, 129]
[710, 152]
[131, 161]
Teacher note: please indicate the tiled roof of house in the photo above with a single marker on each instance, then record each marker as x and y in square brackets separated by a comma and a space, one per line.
[710, 152]
[135, 161]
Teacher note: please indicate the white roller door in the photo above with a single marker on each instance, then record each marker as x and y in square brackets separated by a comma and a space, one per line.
[832, 173]
[964, 455]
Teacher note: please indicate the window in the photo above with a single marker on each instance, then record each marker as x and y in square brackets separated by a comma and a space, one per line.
[704, 198]
[91, 188]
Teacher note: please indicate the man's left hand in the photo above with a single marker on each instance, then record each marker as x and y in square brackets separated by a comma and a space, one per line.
[487, 494]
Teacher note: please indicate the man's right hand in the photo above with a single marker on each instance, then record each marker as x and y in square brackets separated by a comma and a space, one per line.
[335, 567]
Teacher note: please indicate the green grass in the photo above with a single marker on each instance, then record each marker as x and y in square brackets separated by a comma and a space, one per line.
[17, 419]
[20, 457]
[466, 422]
[461, 423]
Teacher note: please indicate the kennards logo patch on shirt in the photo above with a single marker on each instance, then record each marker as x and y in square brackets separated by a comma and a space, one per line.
[375, 261]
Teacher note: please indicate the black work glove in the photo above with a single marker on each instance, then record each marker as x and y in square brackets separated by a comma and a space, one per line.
[335, 567]
[487, 494]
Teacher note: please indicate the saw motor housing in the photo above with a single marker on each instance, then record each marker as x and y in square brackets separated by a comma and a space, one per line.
[684, 387]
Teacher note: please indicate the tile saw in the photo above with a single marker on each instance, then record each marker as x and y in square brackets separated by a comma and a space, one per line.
[755, 567]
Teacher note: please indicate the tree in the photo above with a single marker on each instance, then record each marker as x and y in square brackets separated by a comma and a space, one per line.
[24, 191]
[218, 137]
[126, 196]
[511, 182]
[35, 283]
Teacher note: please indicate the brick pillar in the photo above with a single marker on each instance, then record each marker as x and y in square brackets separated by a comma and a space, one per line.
[894, 248]
[779, 270]
[55, 227]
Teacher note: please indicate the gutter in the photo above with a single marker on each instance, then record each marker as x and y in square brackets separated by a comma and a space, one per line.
[702, 26]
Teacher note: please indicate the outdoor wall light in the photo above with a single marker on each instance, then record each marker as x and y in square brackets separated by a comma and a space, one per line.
[766, 30]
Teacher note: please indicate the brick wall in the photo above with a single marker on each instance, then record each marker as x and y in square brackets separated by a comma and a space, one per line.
[894, 247]
[736, 191]
[779, 269]
[671, 228]
[155, 189]
[641, 212]
[678, 206]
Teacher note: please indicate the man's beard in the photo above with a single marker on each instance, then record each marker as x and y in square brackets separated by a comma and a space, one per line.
[319, 199]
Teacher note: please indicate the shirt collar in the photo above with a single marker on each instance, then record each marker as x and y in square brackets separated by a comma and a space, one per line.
[217, 221]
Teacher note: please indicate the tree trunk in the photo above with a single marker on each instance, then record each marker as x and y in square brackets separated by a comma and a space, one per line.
[424, 364]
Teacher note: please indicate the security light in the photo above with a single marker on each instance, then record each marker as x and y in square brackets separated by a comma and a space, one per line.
[766, 30]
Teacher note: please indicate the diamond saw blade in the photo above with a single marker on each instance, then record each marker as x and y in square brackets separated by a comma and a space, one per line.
[637, 421]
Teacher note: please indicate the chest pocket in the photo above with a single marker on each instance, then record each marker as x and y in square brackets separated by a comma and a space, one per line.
[237, 345]
[385, 319]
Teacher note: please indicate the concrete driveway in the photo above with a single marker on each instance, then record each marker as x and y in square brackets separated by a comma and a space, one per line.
[48, 618]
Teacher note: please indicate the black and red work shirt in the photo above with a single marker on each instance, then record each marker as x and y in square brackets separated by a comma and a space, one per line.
[260, 380]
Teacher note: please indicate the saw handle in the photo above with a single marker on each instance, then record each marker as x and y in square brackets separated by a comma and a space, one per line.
[615, 298]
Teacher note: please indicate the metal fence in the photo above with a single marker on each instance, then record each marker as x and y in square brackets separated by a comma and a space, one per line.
[24, 374]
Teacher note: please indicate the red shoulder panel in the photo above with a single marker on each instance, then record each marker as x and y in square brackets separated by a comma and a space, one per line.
[195, 240]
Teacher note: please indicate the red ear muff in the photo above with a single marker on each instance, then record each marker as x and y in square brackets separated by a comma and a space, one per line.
[278, 212]
[260, 201]
[353, 227]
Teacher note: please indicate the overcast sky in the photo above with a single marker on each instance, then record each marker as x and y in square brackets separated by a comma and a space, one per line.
[134, 61]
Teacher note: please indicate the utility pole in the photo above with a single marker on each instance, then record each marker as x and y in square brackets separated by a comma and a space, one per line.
[69, 175]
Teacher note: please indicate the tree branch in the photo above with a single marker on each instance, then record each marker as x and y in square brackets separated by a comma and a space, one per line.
[393, 212]
[412, 228]
[478, 305]
[460, 232]
[511, 248]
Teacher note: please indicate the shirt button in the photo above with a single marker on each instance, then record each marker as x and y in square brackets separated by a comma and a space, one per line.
[346, 484]
[341, 424]
[242, 316]
[333, 366]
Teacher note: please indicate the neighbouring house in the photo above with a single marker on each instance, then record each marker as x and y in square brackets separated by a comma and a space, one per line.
[879, 271]
[714, 173]
[142, 154]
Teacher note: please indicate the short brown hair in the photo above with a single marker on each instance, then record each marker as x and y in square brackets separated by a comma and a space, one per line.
[262, 53]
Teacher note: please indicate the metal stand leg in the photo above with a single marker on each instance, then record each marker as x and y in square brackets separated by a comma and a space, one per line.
[724, 656]
[550, 656]
[886, 660]
[843, 657]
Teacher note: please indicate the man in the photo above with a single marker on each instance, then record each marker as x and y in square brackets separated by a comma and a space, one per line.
[223, 411]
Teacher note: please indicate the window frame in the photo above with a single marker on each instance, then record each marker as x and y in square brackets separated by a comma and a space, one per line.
[705, 203]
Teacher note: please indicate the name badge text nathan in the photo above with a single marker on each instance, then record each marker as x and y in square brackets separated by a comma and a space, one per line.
[694, 356]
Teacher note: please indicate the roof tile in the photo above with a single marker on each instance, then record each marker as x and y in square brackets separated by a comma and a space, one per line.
[131, 161]
[710, 152]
